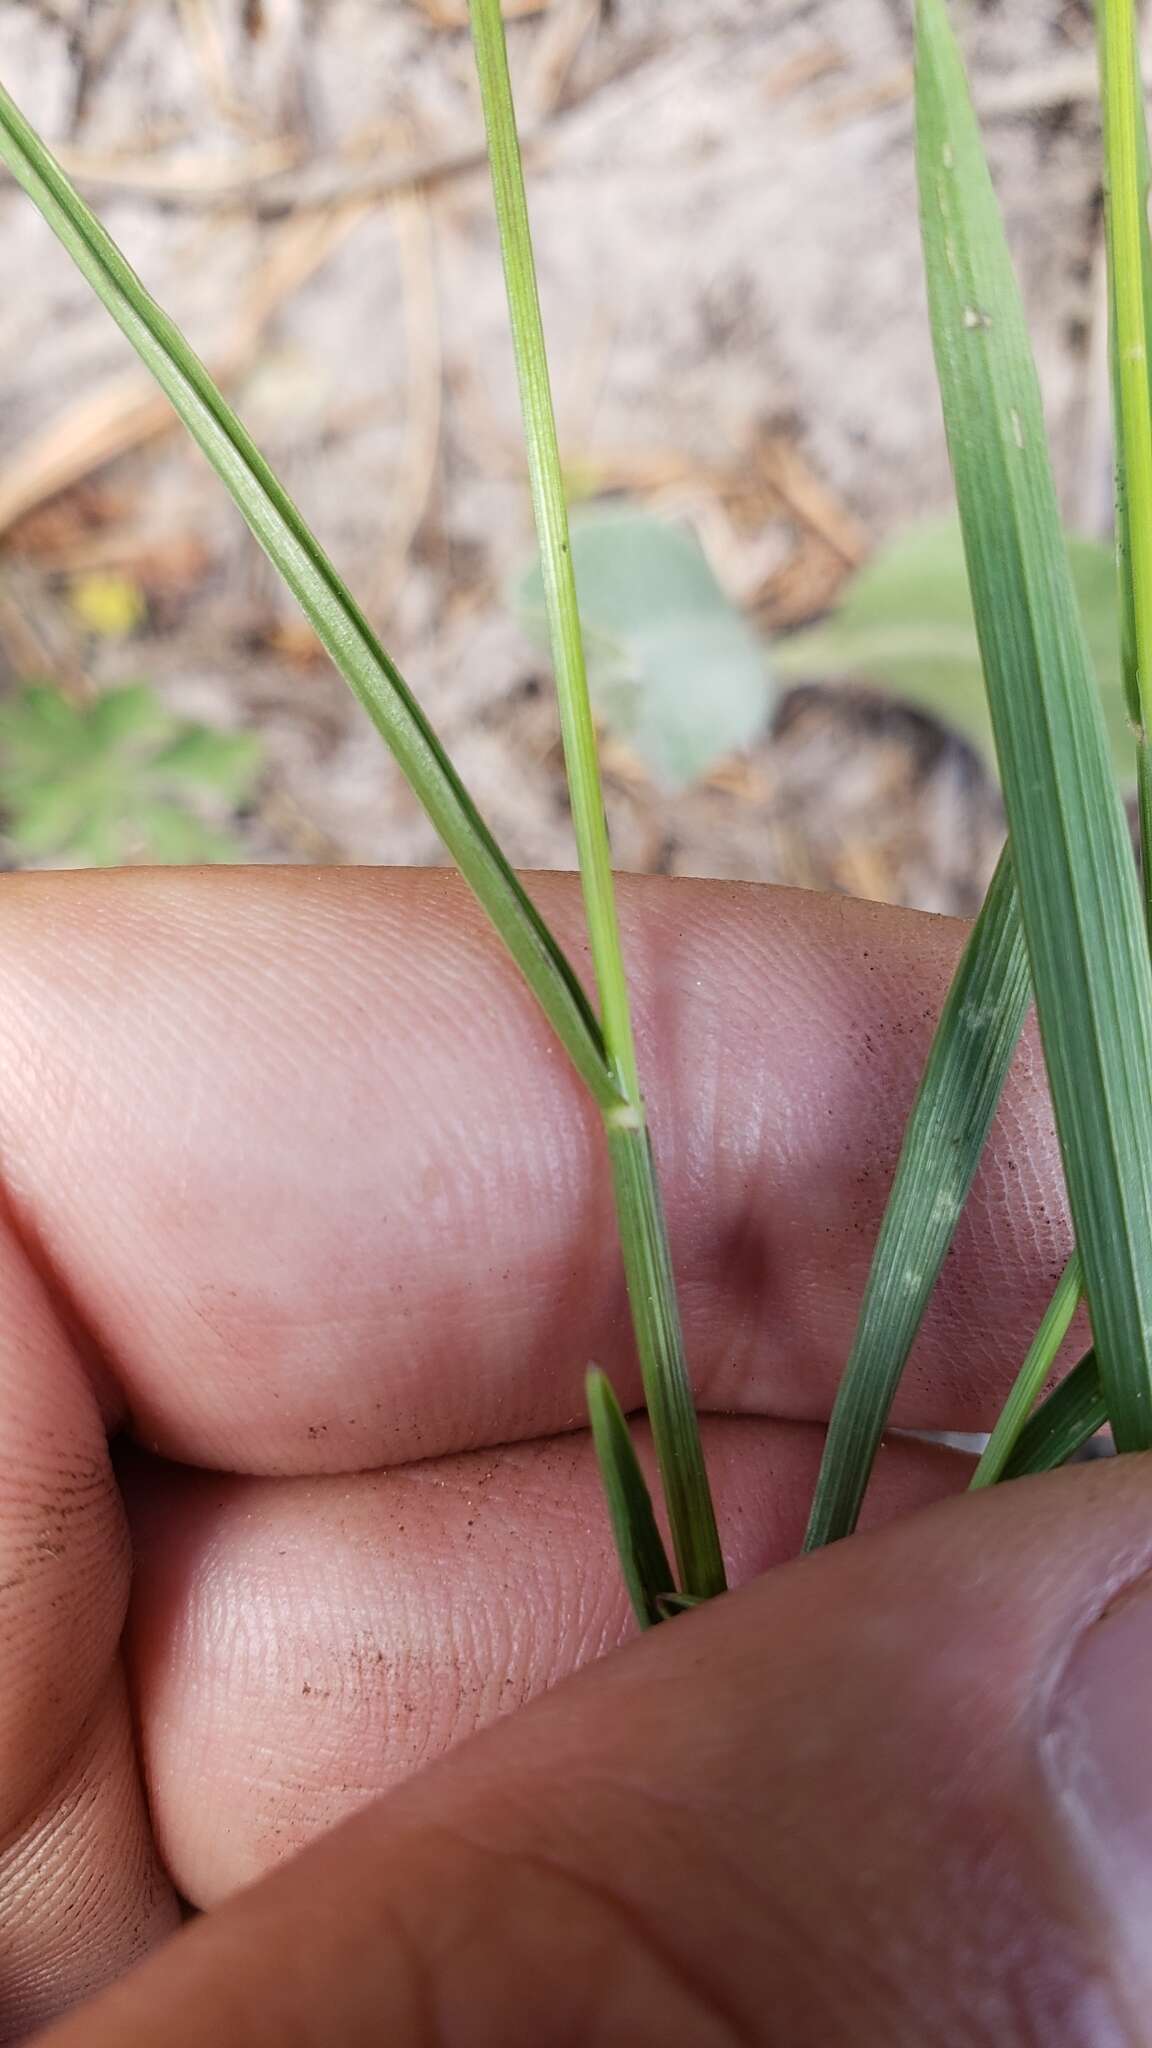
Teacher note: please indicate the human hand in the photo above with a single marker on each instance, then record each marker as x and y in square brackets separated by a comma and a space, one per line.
[299, 1189]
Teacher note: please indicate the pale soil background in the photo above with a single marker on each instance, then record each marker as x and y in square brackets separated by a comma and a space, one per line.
[723, 196]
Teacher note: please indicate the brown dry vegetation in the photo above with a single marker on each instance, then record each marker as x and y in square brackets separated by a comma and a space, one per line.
[724, 202]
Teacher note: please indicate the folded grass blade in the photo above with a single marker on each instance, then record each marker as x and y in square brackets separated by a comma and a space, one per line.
[969, 1058]
[1070, 851]
[339, 623]
[643, 1558]
[1031, 1377]
[1071, 1415]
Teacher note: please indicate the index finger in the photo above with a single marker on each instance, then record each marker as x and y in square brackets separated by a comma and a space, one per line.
[300, 1154]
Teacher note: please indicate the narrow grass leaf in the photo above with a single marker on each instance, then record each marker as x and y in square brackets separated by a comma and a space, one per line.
[1129, 251]
[1072, 1414]
[639, 1545]
[640, 1212]
[944, 1137]
[660, 1343]
[340, 625]
[1031, 1376]
[1070, 850]
[671, 1604]
[546, 481]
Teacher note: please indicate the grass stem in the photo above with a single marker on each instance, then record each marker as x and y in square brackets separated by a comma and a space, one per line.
[643, 1233]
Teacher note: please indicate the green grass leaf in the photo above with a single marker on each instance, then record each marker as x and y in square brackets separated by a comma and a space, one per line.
[997, 1454]
[674, 668]
[1072, 1414]
[906, 625]
[944, 1137]
[639, 1209]
[339, 624]
[1129, 251]
[1070, 848]
[640, 1547]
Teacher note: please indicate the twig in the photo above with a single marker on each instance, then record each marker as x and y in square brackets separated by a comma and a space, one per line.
[268, 180]
[183, 179]
[127, 411]
[206, 41]
[1064, 82]
[804, 69]
[812, 504]
[262, 180]
[453, 14]
[121, 414]
[557, 48]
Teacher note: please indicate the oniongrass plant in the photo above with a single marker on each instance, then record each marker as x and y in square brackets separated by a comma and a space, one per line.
[1061, 802]
[1063, 921]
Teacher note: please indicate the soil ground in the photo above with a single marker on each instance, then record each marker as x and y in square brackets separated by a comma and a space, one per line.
[723, 197]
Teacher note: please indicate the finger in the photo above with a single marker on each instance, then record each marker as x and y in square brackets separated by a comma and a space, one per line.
[80, 1892]
[297, 1646]
[307, 1161]
[895, 1795]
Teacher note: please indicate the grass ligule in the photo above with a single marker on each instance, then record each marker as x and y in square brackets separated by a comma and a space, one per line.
[969, 1058]
[1073, 863]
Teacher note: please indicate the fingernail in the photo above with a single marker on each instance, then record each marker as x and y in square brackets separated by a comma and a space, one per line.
[1099, 1756]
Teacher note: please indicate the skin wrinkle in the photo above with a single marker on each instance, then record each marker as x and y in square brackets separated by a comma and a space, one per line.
[63, 1545]
[473, 1918]
[105, 1902]
[461, 1574]
[707, 1998]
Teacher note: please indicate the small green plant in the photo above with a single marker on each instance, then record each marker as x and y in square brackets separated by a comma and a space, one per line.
[655, 620]
[906, 624]
[1063, 920]
[117, 778]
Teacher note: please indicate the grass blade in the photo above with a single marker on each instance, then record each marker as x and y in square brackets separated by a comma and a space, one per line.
[672, 1604]
[1072, 1414]
[640, 1214]
[639, 1545]
[969, 1058]
[1079, 898]
[1031, 1377]
[549, 505]
[1129, 249]
[340, 625]
[659, 1340]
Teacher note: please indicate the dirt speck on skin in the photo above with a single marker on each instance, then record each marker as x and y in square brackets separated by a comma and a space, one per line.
[724, 202]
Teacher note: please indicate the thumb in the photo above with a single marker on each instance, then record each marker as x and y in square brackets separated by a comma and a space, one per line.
[898, 1793]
